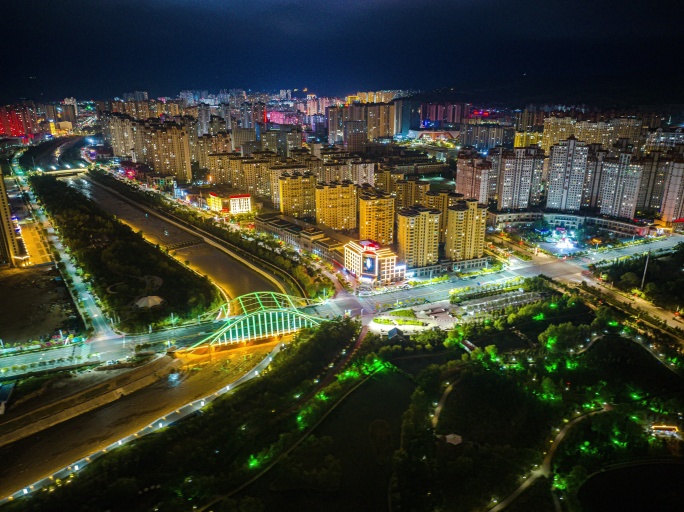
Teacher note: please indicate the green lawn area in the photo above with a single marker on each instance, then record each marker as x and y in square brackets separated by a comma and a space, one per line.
[364, 431]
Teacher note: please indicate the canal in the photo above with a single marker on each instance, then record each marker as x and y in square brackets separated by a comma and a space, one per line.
[232, 276]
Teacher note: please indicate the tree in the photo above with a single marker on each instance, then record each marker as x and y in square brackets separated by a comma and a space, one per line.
[629, 280]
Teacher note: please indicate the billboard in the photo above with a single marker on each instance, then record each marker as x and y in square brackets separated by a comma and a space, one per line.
[369, 265]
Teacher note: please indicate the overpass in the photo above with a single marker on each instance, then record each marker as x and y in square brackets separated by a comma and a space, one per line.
[262, 315]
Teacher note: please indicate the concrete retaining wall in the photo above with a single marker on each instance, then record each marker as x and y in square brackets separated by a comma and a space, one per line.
[55, 413]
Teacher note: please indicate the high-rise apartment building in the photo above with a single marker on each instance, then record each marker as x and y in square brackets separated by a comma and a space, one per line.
[379, 121]
[620, 186]
[168, 151]
[165, 147]
[567, 169]
[276, 171]
[473, 176]
[362, 172]
[592, 178]
[411, 192]
[336, 205]
[655, 168]
[555, 130]
[386, 179]
[376, 216]
[442, 200]
[355, 136]
[519, 180]
[9, 245]
[673, 193]
[297, 194]
[211, 144]
[466, 226]
[484, 137]
[418, 236]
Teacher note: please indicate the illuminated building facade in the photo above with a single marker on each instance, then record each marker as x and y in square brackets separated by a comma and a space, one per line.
[336, 205]
[371, 262]
[466, 226]
[297, 194]
[376, 216]
[418, 236]
[567, 169]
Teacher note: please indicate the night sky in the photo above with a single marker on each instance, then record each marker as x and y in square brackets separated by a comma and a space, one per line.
[507, 50]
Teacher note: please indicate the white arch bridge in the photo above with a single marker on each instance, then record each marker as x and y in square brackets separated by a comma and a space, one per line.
[261, 315]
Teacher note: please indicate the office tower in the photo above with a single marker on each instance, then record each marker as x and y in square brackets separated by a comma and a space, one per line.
[567, 168]
[9, 245]
[592, 178]
[336, 205]
[673, 193]
[376, 215]
[555, 130]
[355, 136]
[472, 176]
[441, 201]
[297, 194]
[620, 186]
[188, 98]
[655, 167]
[418, 236]
[519, 180]
[411, 192]
[237, 96]
[466, 225]
[223, 96]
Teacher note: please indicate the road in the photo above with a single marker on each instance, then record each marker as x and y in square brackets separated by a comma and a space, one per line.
[35, 457]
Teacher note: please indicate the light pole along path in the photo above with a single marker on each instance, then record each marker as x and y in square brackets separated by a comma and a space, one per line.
[545, 469]
[72, 469]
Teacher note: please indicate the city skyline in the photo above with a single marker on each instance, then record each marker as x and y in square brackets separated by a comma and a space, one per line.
[504, 50]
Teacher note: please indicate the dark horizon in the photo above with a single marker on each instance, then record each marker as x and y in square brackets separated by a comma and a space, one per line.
[507, 52]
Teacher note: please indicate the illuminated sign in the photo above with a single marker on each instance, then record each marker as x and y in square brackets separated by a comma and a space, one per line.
[370, 265]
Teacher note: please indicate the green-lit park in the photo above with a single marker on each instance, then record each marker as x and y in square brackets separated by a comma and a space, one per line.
[456, 420]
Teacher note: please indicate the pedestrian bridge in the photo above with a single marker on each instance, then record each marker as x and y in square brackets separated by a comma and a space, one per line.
[261, 315]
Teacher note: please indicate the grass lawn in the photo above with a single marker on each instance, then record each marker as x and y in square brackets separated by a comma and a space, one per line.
[365, 432]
